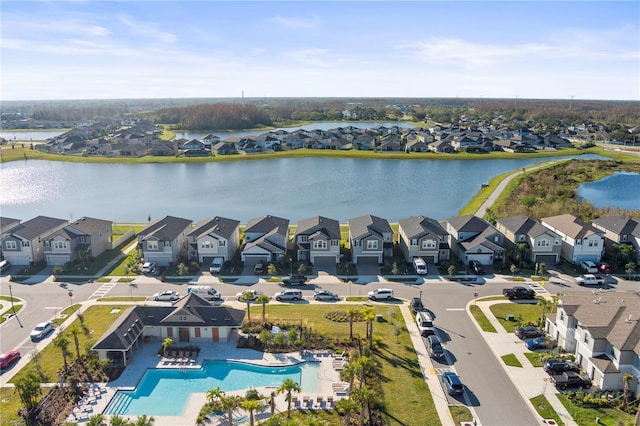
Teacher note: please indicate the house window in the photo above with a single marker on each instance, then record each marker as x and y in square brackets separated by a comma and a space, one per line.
[59, 244]
[428, 244]
[11, 245]
[520, 237]
[152, 245]
[372, 244]
[414, 242]
[182, 317]
[593, 243]
[624, 238]
[556, 242]
[586, 337]
[561, 316]
[222, 243]
[83, 239]
[496, 239]
[47, 243]
[206, 244]
[304, 238]
[612, 351]
[25, 244]
[334, 243]
[543, 243]
[167, 243]
[387, 237]
[320, 244]
[578, 242]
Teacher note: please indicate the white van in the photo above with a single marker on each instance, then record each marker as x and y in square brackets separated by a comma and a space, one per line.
[425, 324]
[4, 266]
[204, 291]
[420, 265]
[216, 265]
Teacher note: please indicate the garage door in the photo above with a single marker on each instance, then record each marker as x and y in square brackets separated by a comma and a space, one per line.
[53, 260]
[429, 259]
[324, 260]
[251, 261]
[549, 259]
[206, 260]
[367, 260]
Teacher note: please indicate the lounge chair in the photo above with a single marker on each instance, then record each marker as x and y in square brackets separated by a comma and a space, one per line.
[181, 357]
[294, 402]
[319, 402]
[305, 402]
[329, 405]
[172, 356]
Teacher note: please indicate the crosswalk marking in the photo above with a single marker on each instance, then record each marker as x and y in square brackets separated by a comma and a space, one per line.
[104, 289]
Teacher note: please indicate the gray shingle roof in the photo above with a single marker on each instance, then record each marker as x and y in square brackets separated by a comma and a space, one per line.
[166, 229]
[265, 224]
[365, 225]
[217, 225]
[419, 226]
[572, 226]
[468, 223]
[329, 227]
[37, 226]
[617, 224]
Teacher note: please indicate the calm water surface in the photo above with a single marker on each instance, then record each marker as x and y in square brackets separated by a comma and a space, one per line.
[293, 188]
[621, 189]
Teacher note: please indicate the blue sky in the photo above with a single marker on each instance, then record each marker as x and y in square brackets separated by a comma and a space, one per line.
[145, 49]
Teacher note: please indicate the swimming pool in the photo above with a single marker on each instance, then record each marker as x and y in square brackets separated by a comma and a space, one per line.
[165, 392]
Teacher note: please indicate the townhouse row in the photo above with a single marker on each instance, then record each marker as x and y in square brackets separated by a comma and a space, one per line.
[317, 239]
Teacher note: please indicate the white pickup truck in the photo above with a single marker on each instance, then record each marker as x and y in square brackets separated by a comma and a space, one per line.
[589, 279]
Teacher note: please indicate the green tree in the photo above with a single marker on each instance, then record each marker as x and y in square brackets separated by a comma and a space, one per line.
[627, 379]
[347, 407]
[395, 270]
[62, 342]
[287, 387]
[542, 268]
[230, 403]
[251, 405]
[271, 269]
[265, 337]
[630, 268]
[74, 332]
[263, 299]
[369, 317]
[349, 373]
[168, 341]
[451, 270]
[96, 420]
[213, 395]
[247, 296]
[365, 365]
[546, 304]
[145, 421]
[351, 314]
[119, 421]
[513, 268]
[302, 269]
[183, 269]
[366, 397]
[28, 388]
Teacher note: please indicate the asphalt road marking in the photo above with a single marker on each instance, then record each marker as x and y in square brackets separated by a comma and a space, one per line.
[104, 289]
[455, 309]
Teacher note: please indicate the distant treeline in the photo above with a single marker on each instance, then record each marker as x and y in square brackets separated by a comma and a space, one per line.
[214, 116]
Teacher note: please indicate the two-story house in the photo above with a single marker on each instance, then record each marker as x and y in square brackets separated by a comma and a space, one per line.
[619, 230]
[82, 239]
[370, 239]
[165, 240]
[265, 240]
[544, 244]
[420, 236]
[580, 241]
[603, 331]
[318, 240]
[474, 238]
[24, 244]
[214, 237]
[7, 224]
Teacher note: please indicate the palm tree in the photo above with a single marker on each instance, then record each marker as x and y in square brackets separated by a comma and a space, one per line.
[365, 397]
[230, 403]
[74, 332]
[214, 394]
[364, 364]
[119, 421]
[263, 299]
[61, 341]
[247, 295]
[349, 372]
[96, 420]
[369, 316]
[351, 314]
[287, 387]
[545, 303]
[627, 379]
[145, 421]
[251, 405]
[272, 402]
[168, 341]
[346, 407]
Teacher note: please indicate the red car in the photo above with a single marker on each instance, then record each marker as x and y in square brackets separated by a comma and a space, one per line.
[7, 358]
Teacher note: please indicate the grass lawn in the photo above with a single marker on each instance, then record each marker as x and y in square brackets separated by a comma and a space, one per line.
[9, 406]
[545, 409]
[17, 305]
[511, 360]
[523, 313]
[65, 314]
[460, 414]
[122, 299]
[97, 319]
[406, 396]
[587, 416]
[536, 358]
[481, 319]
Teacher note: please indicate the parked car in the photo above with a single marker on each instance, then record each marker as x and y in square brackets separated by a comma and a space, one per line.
[259, 269]
[452, 383]
[518, 292]
[381, 293]
[169, 295]
[325, 295]
[603, 267]
[590, 279]
[434, 347]
[529, 332]
[558, 366]
[254, 293]
[216, 265]
[8, 358]
[148, 267]
[476, 267]
[295, 280]
[424, 321]
[416, 305]
[589, 266]
[288, 295]
[570, 379]
[5, 265]
[41, 330]
[538, 343]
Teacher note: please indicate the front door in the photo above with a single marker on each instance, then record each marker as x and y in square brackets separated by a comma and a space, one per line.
[183, 334]
[216, 334]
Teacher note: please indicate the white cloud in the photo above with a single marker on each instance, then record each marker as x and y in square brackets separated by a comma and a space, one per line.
[148, 30]
[293, 23]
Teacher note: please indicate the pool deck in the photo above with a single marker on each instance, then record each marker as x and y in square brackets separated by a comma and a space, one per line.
[147, 357]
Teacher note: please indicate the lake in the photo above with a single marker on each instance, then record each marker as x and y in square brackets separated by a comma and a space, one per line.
[621, 189]
[293, 188]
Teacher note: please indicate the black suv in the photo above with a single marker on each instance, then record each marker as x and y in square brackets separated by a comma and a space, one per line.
[558, 366]
[295, 280]
[476, 267]
[416, 305]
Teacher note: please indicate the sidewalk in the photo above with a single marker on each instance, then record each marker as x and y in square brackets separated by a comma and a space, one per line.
[530, 381]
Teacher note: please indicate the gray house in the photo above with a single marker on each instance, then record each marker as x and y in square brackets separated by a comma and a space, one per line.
[318, 240]
[370, 239]
[24, 243]
[474, 238]
[214, 237]
[619, 230]
[420, 236]
[165, 240]
[265, 240]
[84, 238]
[543, 243]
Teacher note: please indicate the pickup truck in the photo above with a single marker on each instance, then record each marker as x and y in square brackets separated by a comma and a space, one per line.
[590, 279]
[295, 280]
[570, 379]
[519, 292]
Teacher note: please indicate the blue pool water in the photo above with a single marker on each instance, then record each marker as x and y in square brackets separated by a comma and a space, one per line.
[165, 392]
